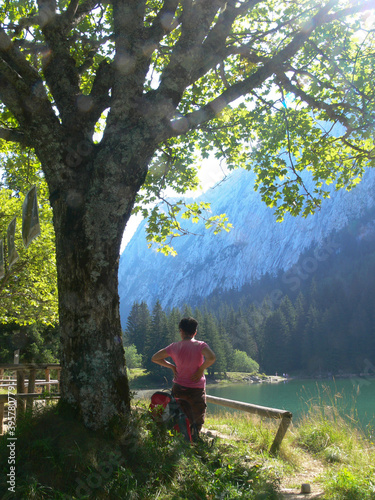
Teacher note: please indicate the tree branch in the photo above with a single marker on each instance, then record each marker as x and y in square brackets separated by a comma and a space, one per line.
[99, 96]
[311, 101]
[71, 11]
[24, 23]
[131, 59]
[187, 54]
[129, 29]
[14, 135]
[213, 108]
[16, 60]
[76, 12]
[369, 153]
[337, 69]
[59, 61]
[92, 53]
[163, 23]
[215, 44]
[21, 87]
[15, 93]
[360, 7]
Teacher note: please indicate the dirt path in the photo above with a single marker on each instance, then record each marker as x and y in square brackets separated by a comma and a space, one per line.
[308, 472]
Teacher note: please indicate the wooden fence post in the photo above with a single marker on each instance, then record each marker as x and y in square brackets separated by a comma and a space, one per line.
[283, 427]
[1, 418]
[31, 388]
[263, 411]
[21, 404]
[16, 358]
[48, 378]
[58, 378]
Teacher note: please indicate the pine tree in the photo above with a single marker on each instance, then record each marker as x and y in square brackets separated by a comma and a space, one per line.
[212, 338]
[186, 311]
[173, 319]
[277, 343]
[245, 331]
[230, 325]
[311, 356]
[197, 314]
[227, 344]
[157, 339]
[289, 312]
[138, 327]
[297, 333]
[256, 321]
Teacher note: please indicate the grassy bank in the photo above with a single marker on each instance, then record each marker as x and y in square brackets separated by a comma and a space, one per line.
[56, 458]
[347, 454]
[136, 459]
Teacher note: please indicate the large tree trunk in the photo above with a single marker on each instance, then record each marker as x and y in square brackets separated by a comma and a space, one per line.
[89, 218]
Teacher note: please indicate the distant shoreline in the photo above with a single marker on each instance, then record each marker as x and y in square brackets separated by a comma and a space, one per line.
[241, 378]
[254, 379]
[147, 392]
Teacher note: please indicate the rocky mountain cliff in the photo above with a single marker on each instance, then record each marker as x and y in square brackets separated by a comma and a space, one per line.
[256, 245]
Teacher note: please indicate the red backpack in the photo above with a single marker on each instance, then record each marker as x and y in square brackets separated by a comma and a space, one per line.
[165, 408]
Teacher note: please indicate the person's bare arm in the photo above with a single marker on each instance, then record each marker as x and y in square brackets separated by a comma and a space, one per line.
[159, 359]
[209, 359]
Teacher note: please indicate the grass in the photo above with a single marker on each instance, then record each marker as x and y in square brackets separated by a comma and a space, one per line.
[347, 452]
[139, 378]
[136, 459]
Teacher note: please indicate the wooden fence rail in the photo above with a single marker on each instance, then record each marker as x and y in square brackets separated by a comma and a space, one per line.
[22, 398]
[25, 399]
[263, 411]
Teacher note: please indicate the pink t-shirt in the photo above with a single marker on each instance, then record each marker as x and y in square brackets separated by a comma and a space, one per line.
[188, 357]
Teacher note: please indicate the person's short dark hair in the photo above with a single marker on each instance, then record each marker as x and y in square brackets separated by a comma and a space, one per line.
[188, 326]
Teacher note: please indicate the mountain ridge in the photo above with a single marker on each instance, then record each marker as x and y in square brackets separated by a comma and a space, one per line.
[256, 245]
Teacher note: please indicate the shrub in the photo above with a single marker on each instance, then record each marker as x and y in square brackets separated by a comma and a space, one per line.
[243, 363]
[133, 359]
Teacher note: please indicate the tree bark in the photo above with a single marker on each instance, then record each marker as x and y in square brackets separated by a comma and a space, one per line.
[90, 214]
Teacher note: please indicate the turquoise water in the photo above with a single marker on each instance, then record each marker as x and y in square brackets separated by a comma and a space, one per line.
[355, 397]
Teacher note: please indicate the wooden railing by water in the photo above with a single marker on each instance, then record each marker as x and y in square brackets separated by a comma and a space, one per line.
[26, 377]
[263, 411]
[25, 399]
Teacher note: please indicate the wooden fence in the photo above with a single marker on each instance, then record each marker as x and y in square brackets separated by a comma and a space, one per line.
[263, 411]
[25, 377]
[25, 399]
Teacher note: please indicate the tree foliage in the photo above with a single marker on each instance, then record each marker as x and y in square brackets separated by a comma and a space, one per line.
[243, 362]
[28, 291]
[133, 359]
[256, 83]
[37, 343]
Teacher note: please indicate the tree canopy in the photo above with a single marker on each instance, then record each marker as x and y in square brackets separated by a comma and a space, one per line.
[120, 99]
[260, 84]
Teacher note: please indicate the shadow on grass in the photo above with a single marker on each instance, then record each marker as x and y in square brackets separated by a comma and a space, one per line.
[58, 458]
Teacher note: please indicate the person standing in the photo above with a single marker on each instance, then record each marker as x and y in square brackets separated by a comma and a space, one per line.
[191, 357]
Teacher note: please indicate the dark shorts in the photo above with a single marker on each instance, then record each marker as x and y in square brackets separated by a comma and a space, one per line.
[196, 398]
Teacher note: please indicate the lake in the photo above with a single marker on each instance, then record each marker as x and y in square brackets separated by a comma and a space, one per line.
[354, 397]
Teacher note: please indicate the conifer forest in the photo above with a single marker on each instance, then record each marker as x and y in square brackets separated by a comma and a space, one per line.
[320, 323]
